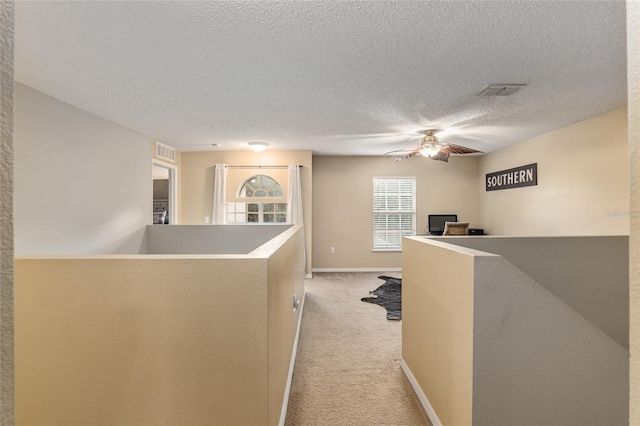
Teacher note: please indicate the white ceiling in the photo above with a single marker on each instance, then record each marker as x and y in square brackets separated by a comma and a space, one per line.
[336, 77]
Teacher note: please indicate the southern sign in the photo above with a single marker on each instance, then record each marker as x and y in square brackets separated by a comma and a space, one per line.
[513, 178]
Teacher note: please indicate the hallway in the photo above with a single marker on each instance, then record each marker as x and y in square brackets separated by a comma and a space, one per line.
[347, 370]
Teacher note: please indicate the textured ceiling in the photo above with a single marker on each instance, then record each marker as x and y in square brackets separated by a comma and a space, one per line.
[336, 77]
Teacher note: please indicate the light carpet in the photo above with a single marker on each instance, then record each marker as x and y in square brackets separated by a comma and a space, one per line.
[347, 369]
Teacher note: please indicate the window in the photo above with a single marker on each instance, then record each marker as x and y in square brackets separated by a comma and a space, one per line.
[394, 211]
[255, 211]
[260, 186]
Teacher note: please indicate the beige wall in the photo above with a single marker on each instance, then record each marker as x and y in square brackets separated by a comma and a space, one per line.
[161, 189]
[343, 204]
[6, 212]
[582, 190]
[285, 272]
[197, 176]
[162, 340]
[132, 341]
[583, 182]
[437, 327]
[476, 338]
[633, 62]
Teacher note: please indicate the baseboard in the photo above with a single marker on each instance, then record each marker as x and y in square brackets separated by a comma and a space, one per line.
[356, 270]
[308, 276]
[421, 396]
[294, 352]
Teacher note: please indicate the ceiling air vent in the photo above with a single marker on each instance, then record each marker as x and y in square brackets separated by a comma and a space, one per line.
[500, 89]
[165, 152]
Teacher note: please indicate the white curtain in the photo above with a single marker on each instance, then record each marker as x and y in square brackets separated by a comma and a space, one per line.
[219, 195]
[294, 197]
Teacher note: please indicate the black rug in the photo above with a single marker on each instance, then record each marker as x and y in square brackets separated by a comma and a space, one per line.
[389, 296]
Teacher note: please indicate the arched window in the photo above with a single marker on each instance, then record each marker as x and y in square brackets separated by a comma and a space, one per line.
[260, 186]
[258, 211]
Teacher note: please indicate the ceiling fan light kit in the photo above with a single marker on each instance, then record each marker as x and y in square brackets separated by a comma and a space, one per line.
[429, 151]
[432, 148]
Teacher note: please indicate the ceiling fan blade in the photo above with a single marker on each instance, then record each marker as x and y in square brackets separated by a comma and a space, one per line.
[409, 155]
[459, 149]
[442, 155]
[417, 148]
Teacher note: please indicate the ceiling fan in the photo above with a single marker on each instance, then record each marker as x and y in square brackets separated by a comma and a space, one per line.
[431, 147]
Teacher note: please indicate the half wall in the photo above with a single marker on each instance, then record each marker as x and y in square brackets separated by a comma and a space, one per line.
[158, 339]
[485, 344]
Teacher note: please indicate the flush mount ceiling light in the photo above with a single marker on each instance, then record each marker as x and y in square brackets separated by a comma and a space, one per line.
[258, 146]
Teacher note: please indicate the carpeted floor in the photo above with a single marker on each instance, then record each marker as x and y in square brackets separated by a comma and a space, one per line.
[348, 364]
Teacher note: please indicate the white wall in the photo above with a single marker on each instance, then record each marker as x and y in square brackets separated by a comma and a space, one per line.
[82, 184]
[538, 362]
[209, 239]
[583, 182]
[589, 274]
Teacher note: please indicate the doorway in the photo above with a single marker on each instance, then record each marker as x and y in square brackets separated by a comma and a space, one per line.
[165, 193]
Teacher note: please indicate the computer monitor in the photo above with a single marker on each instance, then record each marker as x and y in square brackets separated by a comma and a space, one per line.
[436, 222]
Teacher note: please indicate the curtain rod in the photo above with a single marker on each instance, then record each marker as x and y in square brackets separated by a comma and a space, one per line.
[258, 167]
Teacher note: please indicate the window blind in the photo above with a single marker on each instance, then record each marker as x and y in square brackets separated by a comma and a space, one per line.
[394, 205]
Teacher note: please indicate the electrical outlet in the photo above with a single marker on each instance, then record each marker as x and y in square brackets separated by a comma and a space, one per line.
[333, 250]
[206, 219]
[296, 303]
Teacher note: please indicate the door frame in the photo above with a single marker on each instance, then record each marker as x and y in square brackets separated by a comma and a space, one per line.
[173, 188]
